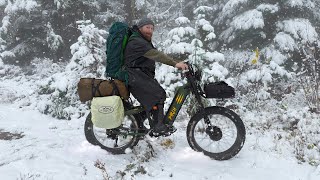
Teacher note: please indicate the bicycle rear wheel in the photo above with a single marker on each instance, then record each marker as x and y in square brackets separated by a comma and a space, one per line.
[115, 140]
[223, 140]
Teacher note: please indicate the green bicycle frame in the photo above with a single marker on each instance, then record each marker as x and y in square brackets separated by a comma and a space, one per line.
[134, 110]
[176, 104]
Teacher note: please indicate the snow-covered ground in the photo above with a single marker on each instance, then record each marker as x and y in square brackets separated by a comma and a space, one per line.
[48, 148]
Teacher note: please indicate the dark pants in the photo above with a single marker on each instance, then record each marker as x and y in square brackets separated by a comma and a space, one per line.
[145, 88]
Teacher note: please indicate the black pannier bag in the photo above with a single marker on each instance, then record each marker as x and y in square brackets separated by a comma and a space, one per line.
[218, 90]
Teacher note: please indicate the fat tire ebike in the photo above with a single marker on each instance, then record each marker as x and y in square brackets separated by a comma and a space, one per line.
[216, 131]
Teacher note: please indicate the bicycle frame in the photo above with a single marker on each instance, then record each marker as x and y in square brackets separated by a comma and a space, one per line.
[176, 104]
[133, 125]
[180, 97]
[178, 100]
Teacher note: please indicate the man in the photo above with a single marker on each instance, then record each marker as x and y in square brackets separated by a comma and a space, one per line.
[140, 58]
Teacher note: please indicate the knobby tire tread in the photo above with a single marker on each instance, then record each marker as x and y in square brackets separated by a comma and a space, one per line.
[230, 152]
[89, 134]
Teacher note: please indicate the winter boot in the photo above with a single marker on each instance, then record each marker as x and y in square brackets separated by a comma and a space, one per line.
[160, 128]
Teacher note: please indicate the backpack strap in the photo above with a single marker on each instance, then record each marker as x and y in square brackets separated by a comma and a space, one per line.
[115, 90]
[95, 88]
[133, 35]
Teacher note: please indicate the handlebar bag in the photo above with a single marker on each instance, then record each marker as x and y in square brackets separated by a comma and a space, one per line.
[107, 112]
[218, 90]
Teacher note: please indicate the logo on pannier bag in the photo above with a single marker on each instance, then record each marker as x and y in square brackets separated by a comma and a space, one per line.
[106, 109]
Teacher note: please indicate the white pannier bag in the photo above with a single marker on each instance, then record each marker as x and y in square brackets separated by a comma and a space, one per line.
[107, 112]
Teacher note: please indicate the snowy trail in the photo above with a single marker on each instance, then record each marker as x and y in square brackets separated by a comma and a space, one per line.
[57, 149]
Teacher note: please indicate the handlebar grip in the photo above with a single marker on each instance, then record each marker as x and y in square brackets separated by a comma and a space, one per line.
[185, 71]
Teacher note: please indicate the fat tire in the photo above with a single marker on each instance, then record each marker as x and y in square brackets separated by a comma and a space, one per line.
[230, 152]
[89, 134]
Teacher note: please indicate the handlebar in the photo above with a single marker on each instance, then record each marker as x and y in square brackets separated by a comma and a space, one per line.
[193, 79]
[185, 71]
[189, 71]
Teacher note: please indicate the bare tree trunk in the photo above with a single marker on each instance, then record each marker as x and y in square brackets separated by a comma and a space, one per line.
[317, 77]
[129, 7]
[311, 84]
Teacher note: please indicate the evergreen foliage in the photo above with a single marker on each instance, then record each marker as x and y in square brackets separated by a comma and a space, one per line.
[268, 50]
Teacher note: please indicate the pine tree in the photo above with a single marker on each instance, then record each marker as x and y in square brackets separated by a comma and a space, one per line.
[309, 76]
[247, 24]
[18, 34]
[62, 16]
[192, 40]
[87, 61]
[3, 32]
[89, 52]
[33, 25]
[279, 29]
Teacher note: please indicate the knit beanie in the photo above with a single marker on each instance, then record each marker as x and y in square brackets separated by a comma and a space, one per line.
[144, 21]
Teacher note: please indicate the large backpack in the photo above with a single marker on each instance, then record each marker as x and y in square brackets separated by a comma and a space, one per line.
[117, 40]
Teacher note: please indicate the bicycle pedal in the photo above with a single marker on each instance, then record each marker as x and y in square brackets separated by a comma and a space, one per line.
[140, 137]
[166, 134]
[172, 130]
[154, 134]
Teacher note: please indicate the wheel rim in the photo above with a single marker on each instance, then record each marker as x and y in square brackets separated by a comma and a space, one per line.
[115, 138]
[218, 138]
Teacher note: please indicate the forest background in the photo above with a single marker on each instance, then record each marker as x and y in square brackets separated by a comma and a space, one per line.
[268, 50]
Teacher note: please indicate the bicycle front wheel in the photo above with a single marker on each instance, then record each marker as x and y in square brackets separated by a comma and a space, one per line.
[220, 141]
[115, 140]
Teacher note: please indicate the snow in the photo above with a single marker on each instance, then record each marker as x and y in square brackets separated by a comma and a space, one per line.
[57, 149]
[181, 47]
[300, 29]
[182, 20]
[205, 25]
[140, 4]
[19, 5]
[5, 24]
[283, 138]
[268, 8]
[3, 2]
[180, 31]
[279, 70]
[214, 56]
[301, 3]
[7, 54]
[275, 55]
[230, 8]
[210, 36]
[285, 42]
[202, 9]
[216, 70]
[249, 19]
[57, 2]
[196, 43]
[53, 40]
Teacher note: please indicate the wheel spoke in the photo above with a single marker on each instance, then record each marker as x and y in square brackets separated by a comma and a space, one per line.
[228, 136]
[222, 139]
[116, 142]
[115, 138]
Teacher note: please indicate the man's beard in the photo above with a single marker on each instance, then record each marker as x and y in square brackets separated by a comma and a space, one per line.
[147, 36]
